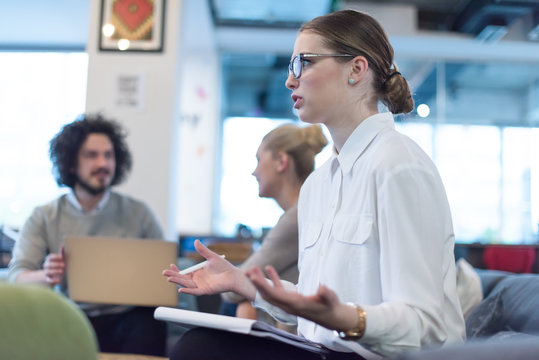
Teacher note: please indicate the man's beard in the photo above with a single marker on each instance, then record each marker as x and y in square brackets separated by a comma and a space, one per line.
[92, 189]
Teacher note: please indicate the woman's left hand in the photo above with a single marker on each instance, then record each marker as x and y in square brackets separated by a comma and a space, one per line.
[324, 307]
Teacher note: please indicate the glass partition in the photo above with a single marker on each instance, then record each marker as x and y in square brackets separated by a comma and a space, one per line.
[477, 120]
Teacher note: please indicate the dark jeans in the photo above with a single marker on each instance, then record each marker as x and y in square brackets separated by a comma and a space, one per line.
[210, 344]
[227, 308]
[132, 332]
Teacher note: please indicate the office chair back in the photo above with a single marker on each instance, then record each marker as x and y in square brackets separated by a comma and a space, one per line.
[37, 323]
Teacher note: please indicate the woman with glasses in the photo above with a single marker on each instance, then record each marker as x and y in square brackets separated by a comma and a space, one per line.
[377, 272]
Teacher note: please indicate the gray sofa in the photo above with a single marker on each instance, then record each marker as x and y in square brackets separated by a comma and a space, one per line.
[505, 325]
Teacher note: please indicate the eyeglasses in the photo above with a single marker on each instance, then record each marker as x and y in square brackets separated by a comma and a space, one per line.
[296, 64]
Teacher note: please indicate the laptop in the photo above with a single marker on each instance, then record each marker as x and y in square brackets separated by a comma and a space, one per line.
[122, 271]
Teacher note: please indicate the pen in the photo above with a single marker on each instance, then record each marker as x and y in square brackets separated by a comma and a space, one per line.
[196, 267]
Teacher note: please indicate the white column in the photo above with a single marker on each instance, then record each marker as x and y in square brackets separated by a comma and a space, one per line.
[152, 124]
[200, 122]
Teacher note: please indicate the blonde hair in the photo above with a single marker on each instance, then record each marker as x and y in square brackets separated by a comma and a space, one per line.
[300, 143]
[356, 33]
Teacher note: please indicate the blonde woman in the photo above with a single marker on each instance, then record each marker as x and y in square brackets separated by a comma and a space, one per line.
[285, 158]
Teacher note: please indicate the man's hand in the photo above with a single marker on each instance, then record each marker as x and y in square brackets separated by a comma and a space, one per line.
[54, 267]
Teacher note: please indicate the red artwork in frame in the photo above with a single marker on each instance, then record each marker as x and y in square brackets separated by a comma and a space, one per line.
[132, 25]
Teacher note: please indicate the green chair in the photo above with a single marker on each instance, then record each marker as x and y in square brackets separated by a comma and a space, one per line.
[37, 323]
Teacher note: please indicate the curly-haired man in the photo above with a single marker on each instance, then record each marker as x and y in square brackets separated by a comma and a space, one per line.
[89, 156]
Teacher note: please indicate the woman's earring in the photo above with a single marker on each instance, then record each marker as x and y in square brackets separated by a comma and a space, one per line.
[350, 81]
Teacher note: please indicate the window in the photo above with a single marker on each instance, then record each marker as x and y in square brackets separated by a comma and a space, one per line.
[39, 93]
[490, 182]
[477, 122]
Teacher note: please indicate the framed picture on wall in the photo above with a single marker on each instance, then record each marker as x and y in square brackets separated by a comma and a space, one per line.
[132, 25]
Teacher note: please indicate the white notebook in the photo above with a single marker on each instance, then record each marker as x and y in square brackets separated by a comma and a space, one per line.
[190, 319]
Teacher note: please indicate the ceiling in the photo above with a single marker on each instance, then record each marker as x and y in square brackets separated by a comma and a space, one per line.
[466, 16]
[254, 81]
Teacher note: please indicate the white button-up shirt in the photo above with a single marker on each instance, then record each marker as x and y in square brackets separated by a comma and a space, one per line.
[375, 227]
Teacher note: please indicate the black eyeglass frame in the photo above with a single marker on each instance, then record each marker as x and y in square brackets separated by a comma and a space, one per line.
[297, 62]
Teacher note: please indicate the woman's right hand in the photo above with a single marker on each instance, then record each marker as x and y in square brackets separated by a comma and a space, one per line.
[217, 276]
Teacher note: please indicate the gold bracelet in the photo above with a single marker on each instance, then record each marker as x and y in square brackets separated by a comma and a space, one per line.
[357, 332]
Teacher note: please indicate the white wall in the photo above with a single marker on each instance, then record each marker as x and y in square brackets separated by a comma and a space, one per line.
[199, 143]
[152, 127]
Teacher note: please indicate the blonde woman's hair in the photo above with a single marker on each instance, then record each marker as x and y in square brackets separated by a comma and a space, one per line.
[300, 143]
[356, 33]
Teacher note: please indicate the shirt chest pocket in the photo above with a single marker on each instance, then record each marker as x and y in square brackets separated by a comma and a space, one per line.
[353, 229]
[308, 257]
[311, 234]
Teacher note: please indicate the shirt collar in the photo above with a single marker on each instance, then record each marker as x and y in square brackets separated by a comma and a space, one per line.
[100, 205]
[361, 137]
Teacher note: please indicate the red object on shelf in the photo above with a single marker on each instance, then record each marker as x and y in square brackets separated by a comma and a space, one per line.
[516, 259]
